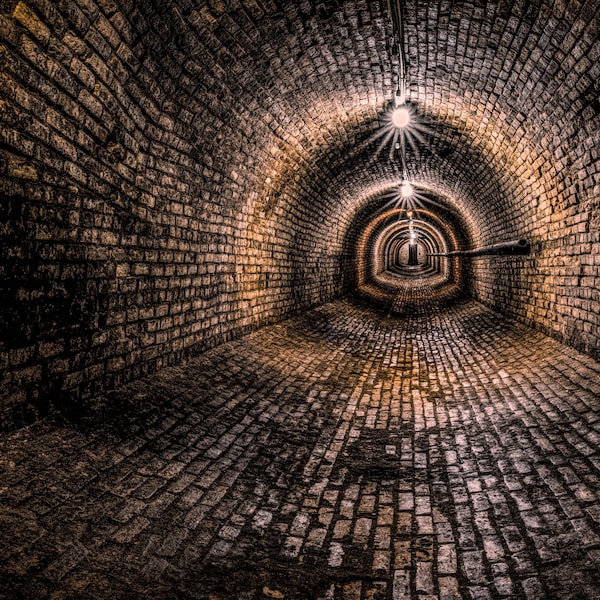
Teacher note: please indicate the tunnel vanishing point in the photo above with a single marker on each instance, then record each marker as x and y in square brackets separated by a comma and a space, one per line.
[300, 299]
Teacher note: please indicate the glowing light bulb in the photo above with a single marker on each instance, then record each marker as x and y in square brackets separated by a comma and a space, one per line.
[406, 190]
[401, 117]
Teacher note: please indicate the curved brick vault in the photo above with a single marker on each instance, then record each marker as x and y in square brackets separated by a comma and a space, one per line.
[177, 173]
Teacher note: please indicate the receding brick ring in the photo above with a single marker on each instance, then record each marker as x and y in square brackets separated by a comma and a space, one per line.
[395, 249]
[438, 204]
[390, 241]
[368, 240]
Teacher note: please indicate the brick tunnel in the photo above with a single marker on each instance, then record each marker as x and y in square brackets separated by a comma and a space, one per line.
[300, 299]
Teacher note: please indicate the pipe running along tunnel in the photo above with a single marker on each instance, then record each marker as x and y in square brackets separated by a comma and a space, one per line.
[324, 226]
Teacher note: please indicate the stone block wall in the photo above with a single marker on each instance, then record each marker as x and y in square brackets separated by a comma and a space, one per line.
[546, 99]
[174, 175]
[137, 219]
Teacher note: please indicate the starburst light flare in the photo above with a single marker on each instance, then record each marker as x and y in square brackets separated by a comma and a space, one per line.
[401, 127]
[407, 197]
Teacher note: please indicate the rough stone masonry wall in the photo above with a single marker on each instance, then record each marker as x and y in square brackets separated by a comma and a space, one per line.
[547, 100]
[128, 237]
[174, 175]
[517, 85]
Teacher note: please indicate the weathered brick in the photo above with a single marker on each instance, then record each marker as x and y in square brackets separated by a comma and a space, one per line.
[173, 179]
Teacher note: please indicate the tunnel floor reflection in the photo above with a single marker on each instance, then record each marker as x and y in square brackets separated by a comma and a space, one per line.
[346, 453]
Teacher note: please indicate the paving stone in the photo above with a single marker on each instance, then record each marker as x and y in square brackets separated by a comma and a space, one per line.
[449, 589]
[533, 589]
[133, 528]
[401, 585]
[67, 561]
[431, 491]
[424, 578]
[446, 562]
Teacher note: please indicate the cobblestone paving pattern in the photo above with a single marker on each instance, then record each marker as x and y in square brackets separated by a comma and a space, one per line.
[348, 453]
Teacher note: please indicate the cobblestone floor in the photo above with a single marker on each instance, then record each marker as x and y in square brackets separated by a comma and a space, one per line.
[351, 453]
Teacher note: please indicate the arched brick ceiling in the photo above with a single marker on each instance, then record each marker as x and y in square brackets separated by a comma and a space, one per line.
[180, 172]
[286, 92]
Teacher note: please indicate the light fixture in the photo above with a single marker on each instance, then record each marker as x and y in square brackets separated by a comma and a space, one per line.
[406, 190]
[402, 125]
[401, 117]
[395, 8]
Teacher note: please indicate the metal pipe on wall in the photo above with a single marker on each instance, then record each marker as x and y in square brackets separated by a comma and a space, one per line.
[512, 248]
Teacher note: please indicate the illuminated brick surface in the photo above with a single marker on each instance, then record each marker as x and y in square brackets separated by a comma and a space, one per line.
[341, 454]
[176, 174]
[193, 197]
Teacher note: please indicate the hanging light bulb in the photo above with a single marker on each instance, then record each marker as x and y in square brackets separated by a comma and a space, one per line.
[401, 117]
[406, 190]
